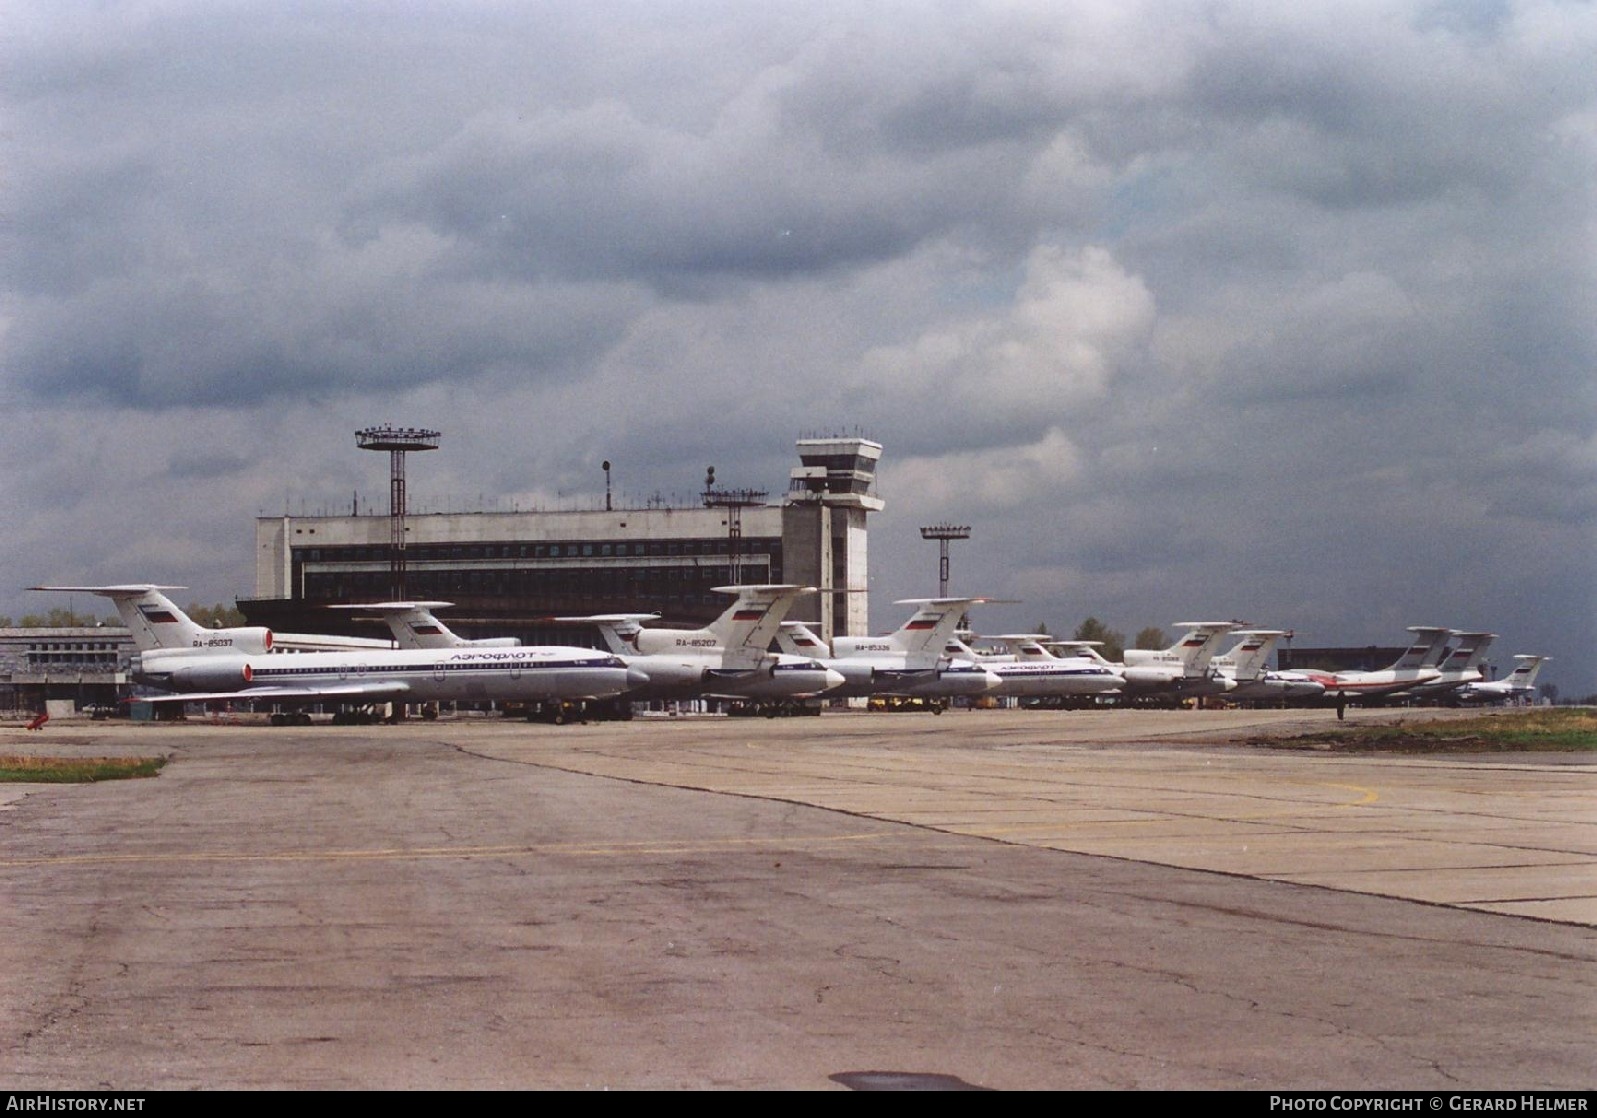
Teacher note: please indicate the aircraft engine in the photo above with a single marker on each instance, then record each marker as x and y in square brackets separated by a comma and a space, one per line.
[219, 673]
[1135, 675]
[654, 642]
[249, 641]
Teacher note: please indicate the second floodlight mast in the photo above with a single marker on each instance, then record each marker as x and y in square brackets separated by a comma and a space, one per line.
[398, 441]
[942, 533]
[734, 501]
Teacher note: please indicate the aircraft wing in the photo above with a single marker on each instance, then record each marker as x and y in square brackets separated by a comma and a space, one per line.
[374, 692]
[317, 642]
[900, 676]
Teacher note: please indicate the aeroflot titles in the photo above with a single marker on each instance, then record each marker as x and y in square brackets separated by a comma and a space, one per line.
[465, 656]
[513, 655]
[464, 662]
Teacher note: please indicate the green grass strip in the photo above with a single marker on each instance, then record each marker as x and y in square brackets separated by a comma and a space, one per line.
[1554, 729]
[83, 770]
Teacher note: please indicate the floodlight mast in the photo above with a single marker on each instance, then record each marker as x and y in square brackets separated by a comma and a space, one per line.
[942, 533]
[734, 501]
[398, 441]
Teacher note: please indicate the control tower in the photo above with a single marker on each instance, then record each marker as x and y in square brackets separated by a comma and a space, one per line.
[829, 496]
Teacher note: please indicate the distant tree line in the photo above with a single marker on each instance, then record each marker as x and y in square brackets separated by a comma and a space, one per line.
[212, 617]
[1114, 642]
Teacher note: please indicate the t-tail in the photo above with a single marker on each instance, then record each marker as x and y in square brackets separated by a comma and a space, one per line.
[1024, 647]
[1468, 654]
[797, 639]
[414, 625]
[1425, 650]
[744, 632]
[1087, 649]
[1523, 677]
[619, 630]
[158, 625]
[1516, 685]
[1247, 659]
[751, 623]
[1192, 652]
[922, 637]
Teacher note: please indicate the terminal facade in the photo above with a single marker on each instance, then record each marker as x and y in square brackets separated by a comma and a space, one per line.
[76, 666]
[509, 573]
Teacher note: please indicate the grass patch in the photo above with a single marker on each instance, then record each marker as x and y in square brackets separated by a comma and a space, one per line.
[1553, 729]
[84, 770]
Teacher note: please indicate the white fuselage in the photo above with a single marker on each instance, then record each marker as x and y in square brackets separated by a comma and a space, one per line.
[1495, 691]
[871, 674]
[1075, 675]
[1275, 687]
[1161, 673]
[1387, 681]
[687, 674]
[1448, 680]
[407, 675]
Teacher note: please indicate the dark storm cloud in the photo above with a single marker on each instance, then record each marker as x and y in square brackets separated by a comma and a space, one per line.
[597, 195]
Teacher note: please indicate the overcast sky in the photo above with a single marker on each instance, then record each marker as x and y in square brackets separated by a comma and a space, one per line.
[1281, 312]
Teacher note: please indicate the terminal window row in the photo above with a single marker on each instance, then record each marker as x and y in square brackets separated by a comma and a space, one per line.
[575, 582]
[574, 550]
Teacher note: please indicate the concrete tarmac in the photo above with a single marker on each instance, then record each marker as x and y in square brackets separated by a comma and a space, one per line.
[1004, 899]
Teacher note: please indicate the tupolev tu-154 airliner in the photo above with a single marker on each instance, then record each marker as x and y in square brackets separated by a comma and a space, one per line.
[193, 664]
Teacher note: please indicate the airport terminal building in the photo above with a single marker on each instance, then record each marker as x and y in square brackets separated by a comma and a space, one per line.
[509, 573]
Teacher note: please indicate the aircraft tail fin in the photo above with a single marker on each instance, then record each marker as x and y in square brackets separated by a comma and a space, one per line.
[1025, 646]
[1249, 656]
[752, 622]
[1425, 650]
[932, 624]
[1088, 649]
[619, 630]
[797, 639]
[414, 625]
[157, 624]
[1198, 647]
[1469, 652]
[1526, 670]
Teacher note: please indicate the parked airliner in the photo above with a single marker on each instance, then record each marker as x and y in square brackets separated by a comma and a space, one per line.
[1516, 686]
[1030, 671]
[728, 658]
[1244, 665]
[1459, 666]
[1181, 671]
[195, 664]
[1416, 666]
[909, 662]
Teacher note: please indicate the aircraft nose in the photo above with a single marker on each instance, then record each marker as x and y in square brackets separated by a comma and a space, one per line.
[834, 678]
[636, 678]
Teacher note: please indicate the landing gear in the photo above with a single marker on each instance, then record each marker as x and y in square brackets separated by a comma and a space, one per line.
[356, 718]
[557, 713]
[785, 708]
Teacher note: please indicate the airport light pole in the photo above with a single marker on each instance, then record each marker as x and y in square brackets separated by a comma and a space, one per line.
[942, 533]
[734, 501]
[398, 441]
